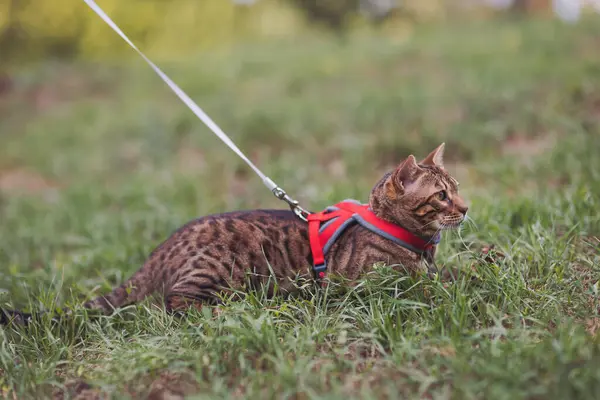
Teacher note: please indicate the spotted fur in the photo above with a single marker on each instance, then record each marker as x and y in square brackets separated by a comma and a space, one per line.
[216, 253]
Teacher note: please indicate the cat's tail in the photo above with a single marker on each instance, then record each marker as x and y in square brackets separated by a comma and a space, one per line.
[134, 290]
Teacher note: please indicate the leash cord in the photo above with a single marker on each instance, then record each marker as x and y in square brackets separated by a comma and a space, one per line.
[272, 186]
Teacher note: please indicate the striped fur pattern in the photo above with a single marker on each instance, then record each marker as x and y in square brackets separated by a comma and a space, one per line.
[243, 249]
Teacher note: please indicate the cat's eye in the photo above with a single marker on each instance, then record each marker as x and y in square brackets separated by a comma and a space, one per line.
[442, 195]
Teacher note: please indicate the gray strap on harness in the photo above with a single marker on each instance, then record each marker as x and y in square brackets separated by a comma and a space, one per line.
[358, 219]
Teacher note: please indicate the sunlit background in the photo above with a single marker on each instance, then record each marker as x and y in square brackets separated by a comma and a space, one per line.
[37, 30]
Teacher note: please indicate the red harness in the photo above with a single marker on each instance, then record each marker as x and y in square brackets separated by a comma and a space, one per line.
[326, 226]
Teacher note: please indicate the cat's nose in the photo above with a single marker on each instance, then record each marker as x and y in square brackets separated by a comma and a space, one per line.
[462, 208]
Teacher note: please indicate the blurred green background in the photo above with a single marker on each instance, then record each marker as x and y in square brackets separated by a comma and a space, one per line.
[375, 78]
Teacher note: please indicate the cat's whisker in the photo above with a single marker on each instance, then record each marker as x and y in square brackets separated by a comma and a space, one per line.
[462, 240]
[451, 222]
[471, 222]
[435, 234]
[427, 224]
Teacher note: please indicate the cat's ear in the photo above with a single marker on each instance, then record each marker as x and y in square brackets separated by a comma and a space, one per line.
[403, 175]
[436, 157]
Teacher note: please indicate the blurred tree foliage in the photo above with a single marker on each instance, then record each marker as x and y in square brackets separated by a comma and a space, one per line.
[333, 13]
[40, 29]
[36, 29]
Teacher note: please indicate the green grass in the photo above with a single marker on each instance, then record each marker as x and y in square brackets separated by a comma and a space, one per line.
[98, 164]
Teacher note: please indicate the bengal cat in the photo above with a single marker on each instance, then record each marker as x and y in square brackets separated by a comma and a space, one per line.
[214, 253]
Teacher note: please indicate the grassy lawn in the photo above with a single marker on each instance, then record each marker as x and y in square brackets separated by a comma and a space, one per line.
[98, 164]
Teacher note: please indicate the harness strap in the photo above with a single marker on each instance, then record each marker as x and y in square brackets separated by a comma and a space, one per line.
[326, 226]
[315, 239]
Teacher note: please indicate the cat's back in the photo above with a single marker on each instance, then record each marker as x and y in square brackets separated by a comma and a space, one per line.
[242, 222]
[229, 231]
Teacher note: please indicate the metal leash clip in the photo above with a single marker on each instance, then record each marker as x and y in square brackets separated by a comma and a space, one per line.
[294, 205]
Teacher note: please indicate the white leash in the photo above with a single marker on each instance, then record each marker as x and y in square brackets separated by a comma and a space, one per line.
[277, 191]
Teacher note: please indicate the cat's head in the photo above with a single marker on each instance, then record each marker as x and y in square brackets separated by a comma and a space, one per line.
[420, 196]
